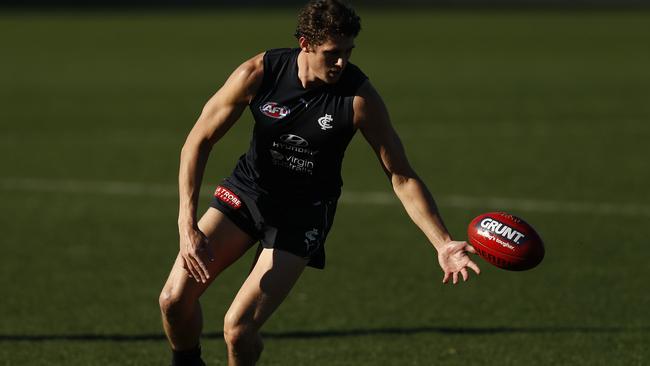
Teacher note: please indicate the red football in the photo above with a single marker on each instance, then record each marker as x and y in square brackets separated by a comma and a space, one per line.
[506, 241]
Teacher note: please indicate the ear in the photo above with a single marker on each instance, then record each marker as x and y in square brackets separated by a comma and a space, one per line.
[304, 44]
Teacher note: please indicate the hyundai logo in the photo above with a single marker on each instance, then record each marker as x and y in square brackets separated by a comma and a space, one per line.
[294, 140]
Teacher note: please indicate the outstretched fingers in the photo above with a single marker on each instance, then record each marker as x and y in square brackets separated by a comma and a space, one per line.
[454, 261]
[474, 267]
[464, 273]
[445, 278]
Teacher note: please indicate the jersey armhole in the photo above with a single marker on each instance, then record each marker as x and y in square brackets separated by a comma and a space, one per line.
[349, 105]
[265, 78]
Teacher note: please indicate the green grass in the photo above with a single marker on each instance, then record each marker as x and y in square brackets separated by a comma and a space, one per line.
[531, 105]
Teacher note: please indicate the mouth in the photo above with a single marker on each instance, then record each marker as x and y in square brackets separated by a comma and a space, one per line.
[334, 73]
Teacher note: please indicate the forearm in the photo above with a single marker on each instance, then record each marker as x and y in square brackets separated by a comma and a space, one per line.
[421, 208]
[194, 157]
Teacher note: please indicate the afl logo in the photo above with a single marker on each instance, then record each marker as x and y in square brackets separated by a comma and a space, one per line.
[294, 140]
[274, 110]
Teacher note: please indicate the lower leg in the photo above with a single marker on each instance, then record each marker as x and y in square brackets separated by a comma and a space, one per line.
[179, 300]
[274, 274]
[182, 325]
[244, 347]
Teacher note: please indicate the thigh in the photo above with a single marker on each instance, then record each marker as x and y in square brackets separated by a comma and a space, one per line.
[228, 243]
[268, 284]
[301, 229]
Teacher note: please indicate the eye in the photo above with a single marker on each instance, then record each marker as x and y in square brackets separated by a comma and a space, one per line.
[331, 56]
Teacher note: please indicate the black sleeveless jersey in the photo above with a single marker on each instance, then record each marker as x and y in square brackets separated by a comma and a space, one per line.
[300, 135]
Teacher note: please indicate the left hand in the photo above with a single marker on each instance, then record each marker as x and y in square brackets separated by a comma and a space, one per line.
[453, 260]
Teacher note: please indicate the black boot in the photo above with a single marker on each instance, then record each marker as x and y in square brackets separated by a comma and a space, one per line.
[189, 357]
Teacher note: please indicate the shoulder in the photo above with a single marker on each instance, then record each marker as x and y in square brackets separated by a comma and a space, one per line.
[351, 80]
[368, 105]
[277, 59]
[248, 76]
[274, 53]
[254, 65]
[262, 68]
[367, 99]
[251, 70]
[366, 94]
[355, 72]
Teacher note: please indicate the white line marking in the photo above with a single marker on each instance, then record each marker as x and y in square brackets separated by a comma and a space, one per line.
[506, 204]
[353, 198]
[547, 206]
[90, 187]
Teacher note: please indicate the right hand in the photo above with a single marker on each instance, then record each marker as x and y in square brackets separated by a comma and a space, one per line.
[454, 260]
[196, 253]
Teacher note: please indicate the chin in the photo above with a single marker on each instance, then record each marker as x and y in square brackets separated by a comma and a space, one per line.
[332, 79]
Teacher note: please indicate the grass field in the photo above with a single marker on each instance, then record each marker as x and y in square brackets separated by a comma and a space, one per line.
[545, 114]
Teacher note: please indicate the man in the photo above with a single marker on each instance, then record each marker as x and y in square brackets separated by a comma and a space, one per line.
[307, 104]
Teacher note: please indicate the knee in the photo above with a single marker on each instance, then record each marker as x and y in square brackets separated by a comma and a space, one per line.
[170, 304]
[241, 335]
[235, 331]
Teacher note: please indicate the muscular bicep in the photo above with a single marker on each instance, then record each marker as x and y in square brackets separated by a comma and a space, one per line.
[217, 116]
[226, 106]
[372, 119]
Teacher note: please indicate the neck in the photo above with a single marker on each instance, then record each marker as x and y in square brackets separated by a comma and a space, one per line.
[306, 76]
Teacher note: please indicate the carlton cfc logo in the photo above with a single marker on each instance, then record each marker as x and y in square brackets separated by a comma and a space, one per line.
[274, 110]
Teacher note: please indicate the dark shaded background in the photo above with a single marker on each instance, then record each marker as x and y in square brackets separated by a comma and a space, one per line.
[234, 3]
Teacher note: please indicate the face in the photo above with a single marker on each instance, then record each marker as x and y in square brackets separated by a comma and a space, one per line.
[329, 59]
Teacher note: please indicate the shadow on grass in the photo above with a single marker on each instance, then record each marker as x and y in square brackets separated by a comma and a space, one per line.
[327, 333]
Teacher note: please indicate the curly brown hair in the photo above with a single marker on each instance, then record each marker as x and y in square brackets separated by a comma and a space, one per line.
[321, 20]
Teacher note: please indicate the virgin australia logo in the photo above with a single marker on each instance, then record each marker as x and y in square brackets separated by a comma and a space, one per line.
[325, 122]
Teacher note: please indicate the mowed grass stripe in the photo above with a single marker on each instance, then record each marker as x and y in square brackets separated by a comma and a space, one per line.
[348, 197]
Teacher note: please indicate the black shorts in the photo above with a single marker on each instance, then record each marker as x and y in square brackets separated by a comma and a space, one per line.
[298, 227]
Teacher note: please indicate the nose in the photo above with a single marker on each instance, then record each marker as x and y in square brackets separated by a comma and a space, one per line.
[340, 62]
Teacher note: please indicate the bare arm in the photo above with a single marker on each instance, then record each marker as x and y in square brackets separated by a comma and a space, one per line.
[371, 117]
[218, 115]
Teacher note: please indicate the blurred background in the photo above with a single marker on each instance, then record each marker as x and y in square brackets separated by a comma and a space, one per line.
[539, 108]
[276, 3]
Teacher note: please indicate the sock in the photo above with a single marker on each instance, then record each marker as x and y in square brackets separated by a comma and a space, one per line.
[188, 357]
